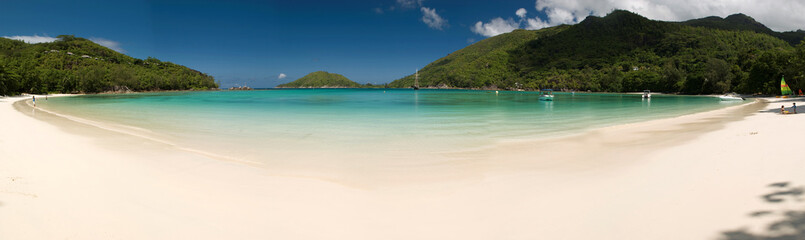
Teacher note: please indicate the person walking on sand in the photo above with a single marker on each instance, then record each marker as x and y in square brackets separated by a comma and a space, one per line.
[794, 108]
[34, 97]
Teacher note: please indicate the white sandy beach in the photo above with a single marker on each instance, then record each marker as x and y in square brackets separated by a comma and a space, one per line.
[690, 177]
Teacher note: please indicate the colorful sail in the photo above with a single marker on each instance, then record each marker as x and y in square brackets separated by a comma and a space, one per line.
[784, 88]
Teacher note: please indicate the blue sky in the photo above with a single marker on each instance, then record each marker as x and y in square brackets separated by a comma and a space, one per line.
[253, 42]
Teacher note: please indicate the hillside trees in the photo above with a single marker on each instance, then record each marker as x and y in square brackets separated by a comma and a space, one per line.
[321, 79]
[627, 52]
[73, 65]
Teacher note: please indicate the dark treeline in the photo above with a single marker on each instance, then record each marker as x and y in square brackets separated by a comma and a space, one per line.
[77, 65]
[626, 52]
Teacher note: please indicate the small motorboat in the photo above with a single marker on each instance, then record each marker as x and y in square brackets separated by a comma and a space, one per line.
[546, 95]
[731, 97]
[646, 94]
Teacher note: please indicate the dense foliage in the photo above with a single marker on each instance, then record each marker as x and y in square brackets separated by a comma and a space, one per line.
[321, 79]
[741, 22]
[483, 64]
[627, 52]
[73, 65]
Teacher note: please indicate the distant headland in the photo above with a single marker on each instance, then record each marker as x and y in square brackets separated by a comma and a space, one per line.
[321, 79]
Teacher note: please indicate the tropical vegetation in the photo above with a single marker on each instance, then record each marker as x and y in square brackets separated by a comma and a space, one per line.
[321, 79]
[77, 65]
[624, 52]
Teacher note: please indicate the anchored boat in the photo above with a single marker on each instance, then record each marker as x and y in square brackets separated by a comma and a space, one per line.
[646, 94]
[731, 97]
[546, 95]
[416, 80]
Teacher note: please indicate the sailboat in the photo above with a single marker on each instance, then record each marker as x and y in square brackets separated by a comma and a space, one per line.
[784, 87]
[416, 80]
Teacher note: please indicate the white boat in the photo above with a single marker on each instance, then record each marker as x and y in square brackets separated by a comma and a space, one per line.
[546, 95]
[731, 97]
[646, 94]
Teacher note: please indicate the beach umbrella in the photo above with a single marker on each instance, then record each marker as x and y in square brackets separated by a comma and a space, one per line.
[784, 87]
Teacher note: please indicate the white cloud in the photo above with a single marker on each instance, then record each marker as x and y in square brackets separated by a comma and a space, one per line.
[769, 13]
[409, 3]
[432, 19]
[521, 12]
[43, 39]
[558, 16]
[536, 23]
[429, 15]
[33, 39]
[108, 43]
[281, 76]
[495, 27]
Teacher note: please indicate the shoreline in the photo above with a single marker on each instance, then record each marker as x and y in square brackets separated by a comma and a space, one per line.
[59, 119]
[748, 96]
[699, 175]
[369, 175]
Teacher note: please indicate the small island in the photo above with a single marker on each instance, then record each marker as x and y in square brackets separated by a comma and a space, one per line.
[321, 79]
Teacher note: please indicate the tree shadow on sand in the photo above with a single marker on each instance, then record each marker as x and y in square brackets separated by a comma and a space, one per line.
[790, 226]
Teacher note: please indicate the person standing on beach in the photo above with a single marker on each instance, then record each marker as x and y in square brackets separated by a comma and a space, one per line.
[795, 108]
[34, 100]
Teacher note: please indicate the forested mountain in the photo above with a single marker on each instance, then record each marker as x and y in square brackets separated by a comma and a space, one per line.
[73, 65]
[742, 22]
[483, 64]
[321, 79]
[624, 51]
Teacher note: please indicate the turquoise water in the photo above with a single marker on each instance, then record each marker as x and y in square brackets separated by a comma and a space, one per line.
[277, 126]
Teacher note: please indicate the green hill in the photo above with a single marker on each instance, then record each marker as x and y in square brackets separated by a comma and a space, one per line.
[740, 22]
[624, 51]
[321, 79]
[73, 65]
[485, 63]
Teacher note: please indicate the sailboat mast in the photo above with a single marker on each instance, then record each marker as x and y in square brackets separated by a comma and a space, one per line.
[416, 78]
